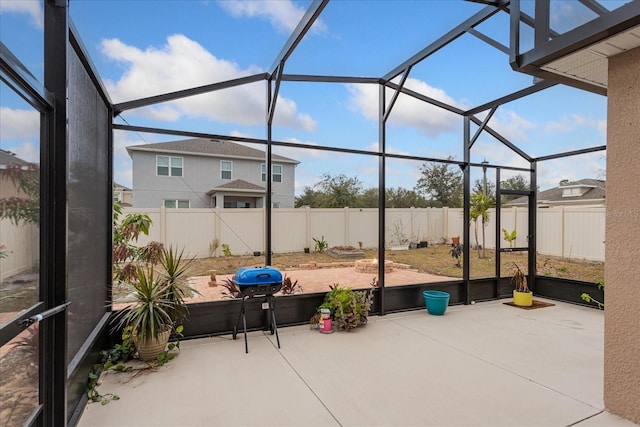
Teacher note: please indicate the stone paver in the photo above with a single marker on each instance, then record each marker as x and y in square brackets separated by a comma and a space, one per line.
[319, 280]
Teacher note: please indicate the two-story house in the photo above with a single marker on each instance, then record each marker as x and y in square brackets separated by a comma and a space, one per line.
[122, 194]
[208, 173]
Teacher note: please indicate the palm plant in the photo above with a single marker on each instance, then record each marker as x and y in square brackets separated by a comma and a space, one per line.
[480, 205]
[174, 277]
[151, 313]
[159, 305]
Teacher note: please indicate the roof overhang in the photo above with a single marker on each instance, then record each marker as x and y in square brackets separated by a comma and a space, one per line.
[580, 57]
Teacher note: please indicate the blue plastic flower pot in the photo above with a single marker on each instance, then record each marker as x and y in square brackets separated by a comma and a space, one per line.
[436, 302]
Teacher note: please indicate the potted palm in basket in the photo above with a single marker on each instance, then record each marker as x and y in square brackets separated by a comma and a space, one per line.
[158, 303]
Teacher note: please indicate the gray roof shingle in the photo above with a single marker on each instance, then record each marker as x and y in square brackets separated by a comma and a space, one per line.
[237, 184]
[555, 194]
[209, 147]
[8, 158]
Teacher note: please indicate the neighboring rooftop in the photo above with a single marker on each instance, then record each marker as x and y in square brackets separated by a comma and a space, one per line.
[209, 147]
[7, 158]
[583, 191]
[237, 184]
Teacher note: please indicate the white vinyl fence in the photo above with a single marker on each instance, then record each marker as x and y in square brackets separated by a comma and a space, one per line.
[21, 248]
[565, 232]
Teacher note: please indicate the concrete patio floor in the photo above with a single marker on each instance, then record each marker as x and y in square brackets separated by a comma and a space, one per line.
[487, 364]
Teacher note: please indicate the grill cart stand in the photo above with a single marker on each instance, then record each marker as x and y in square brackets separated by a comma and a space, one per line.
[258, 282]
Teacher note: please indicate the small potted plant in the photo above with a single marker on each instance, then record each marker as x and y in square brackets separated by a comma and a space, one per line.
[349, 308]
[522, 296]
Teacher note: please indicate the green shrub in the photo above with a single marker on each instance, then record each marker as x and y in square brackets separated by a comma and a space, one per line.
[349, 308]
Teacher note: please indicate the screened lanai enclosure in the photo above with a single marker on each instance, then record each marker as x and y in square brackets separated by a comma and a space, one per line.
[490, 93]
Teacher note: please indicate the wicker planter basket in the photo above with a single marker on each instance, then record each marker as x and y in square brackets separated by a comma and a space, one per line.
[150, 350]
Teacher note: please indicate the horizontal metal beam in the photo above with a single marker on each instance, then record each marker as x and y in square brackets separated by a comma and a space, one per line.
[298, 34]
[456, 32]
[20, 79]
[424, 98]
[188, 134]
[172, 96]
[489, 40]
[329, 79]
[495, 3]
[511, 97]
[595, 7]
[502, 139]
[143, 129]
[572, 153]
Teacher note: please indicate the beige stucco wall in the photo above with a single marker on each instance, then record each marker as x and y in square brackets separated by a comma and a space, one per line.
[622, 259]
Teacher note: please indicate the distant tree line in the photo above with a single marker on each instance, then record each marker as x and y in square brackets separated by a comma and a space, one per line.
[439, 185]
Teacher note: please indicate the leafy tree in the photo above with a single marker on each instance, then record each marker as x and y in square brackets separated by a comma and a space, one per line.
[480, 205]
[517, 182]
[332, 192]
[309, 197]
[368, 198]
[340, 190]
[402, 198]
[25, 206]
[442, 183]
[478, 187]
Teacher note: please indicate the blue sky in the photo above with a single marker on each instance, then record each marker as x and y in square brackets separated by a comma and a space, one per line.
[144, 48]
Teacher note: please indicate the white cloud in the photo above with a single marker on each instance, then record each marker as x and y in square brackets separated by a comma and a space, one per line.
[183, 63]
[566, 15]
[408, 111]
[19, 124]
[28, 151]
[122, 165]
[551, 172]
[30, 7]
[510, 125]
[573, 121]
[282, 14]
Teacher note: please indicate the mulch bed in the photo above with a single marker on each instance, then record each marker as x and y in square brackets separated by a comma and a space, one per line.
[536, 304]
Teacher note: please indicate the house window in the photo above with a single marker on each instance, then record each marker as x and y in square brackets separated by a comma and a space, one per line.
[276, 173]
[225, 169]
[237, 205]
[180, 204]
[117, 197]
[168, 166]
[275, 205]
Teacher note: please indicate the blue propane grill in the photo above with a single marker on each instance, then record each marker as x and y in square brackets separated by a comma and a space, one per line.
[258, 282]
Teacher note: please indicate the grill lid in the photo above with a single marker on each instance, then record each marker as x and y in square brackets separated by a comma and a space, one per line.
[256, 276]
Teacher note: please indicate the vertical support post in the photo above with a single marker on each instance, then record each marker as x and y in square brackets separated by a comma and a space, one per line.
[514, 32]
[466, 217]
[381, 195]
[498, 228]
[53, 371]
[267, 198]
[533, 212]
[541, 29]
